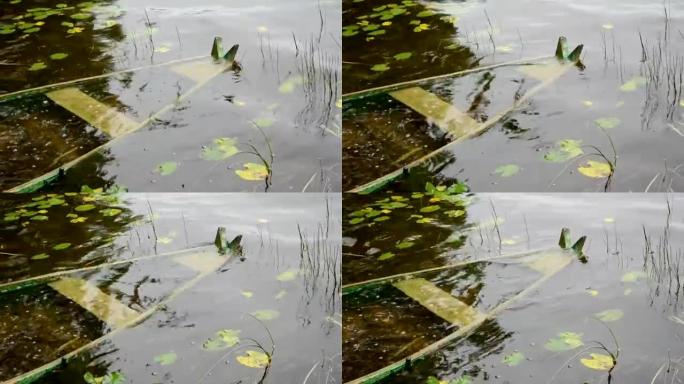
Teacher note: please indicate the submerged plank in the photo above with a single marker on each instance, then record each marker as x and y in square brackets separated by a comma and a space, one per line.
[549, 262]
[546, 72]
[106, 307]
[442, 114]
[201, 261]
[439, 302]
[200, 71]
[103, 117]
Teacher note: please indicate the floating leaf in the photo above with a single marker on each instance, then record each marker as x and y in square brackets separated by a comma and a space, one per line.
[513, 359]
[247, 294]
[405, 244]
[402, 56]
[566, 149]
[592, 292]
[84, 208]
[167, 168]
[595, 169]
[166, 358]
[81, 16]
[430, 208]
[109, 378]
[40, 256]
[254, 359]
[381, 218]
[356, 220]
[281, 294]
[223, 339]
[609, 315]
[39, 218]
[220, 149]
[59, 56]
[455, 213]
[598, 361]
[507, 170]
[253, 172]
[109, 212]
[288, 275]
[607, 122]
[61, 246]
[386, 255]
[74, 30]
[380, 67]
[633, 276]
[37, 66]
[564, 342]
[266, 314]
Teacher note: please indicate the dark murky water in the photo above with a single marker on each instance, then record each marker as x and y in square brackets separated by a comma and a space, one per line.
[282, 103]
[289, 278]
[631, 281]
[629, 92]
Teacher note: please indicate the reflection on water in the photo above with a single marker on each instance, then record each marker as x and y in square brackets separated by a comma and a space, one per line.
[631, 279]
[269, 123]
[283, 291]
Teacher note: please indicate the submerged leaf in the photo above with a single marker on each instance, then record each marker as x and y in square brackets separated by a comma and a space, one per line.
[405, 244]
[266, 314]
[633, 276]
[513, 359]
[507, 170]
[253, 172]
[598, 361]
[288, 275]
[385, 256]
[380, 67]
[595, 169]
[289, 85]
[167, 168]
[254, 359]
[166, 358]
[610, 315]
[607, 122]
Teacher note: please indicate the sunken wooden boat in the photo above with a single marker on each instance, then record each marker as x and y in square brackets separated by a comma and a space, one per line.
[79, 287]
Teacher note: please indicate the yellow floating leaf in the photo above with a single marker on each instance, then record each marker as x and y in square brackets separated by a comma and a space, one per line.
[587, 103]
[253, 172]
[254, 359]
[288, 275]
[247, 294]
[592, 292]
[595, 169]
[598, 361]
[608, 220]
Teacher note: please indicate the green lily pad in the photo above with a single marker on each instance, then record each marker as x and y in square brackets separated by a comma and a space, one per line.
[405, 244]
[254, 359]
[403, 56]
[266, 314]
[59, 56]
[40, 256]
[507, 170]
[223, 339]
[84, 208]
[166, 358]
[607, 122]
[167, 168]
[109, 212]
[61, 246]
[430, 208]
[380, 67]
[513, 359]
[37, 66]
[220, 149]
[565, 341]
[610, 315]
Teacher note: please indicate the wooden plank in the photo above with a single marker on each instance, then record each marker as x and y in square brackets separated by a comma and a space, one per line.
[103, 117]
[549, 262]
[547, 72]
[106, 307]
[437, 111]
[200, 71]
[201, 262]
[439, 302]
